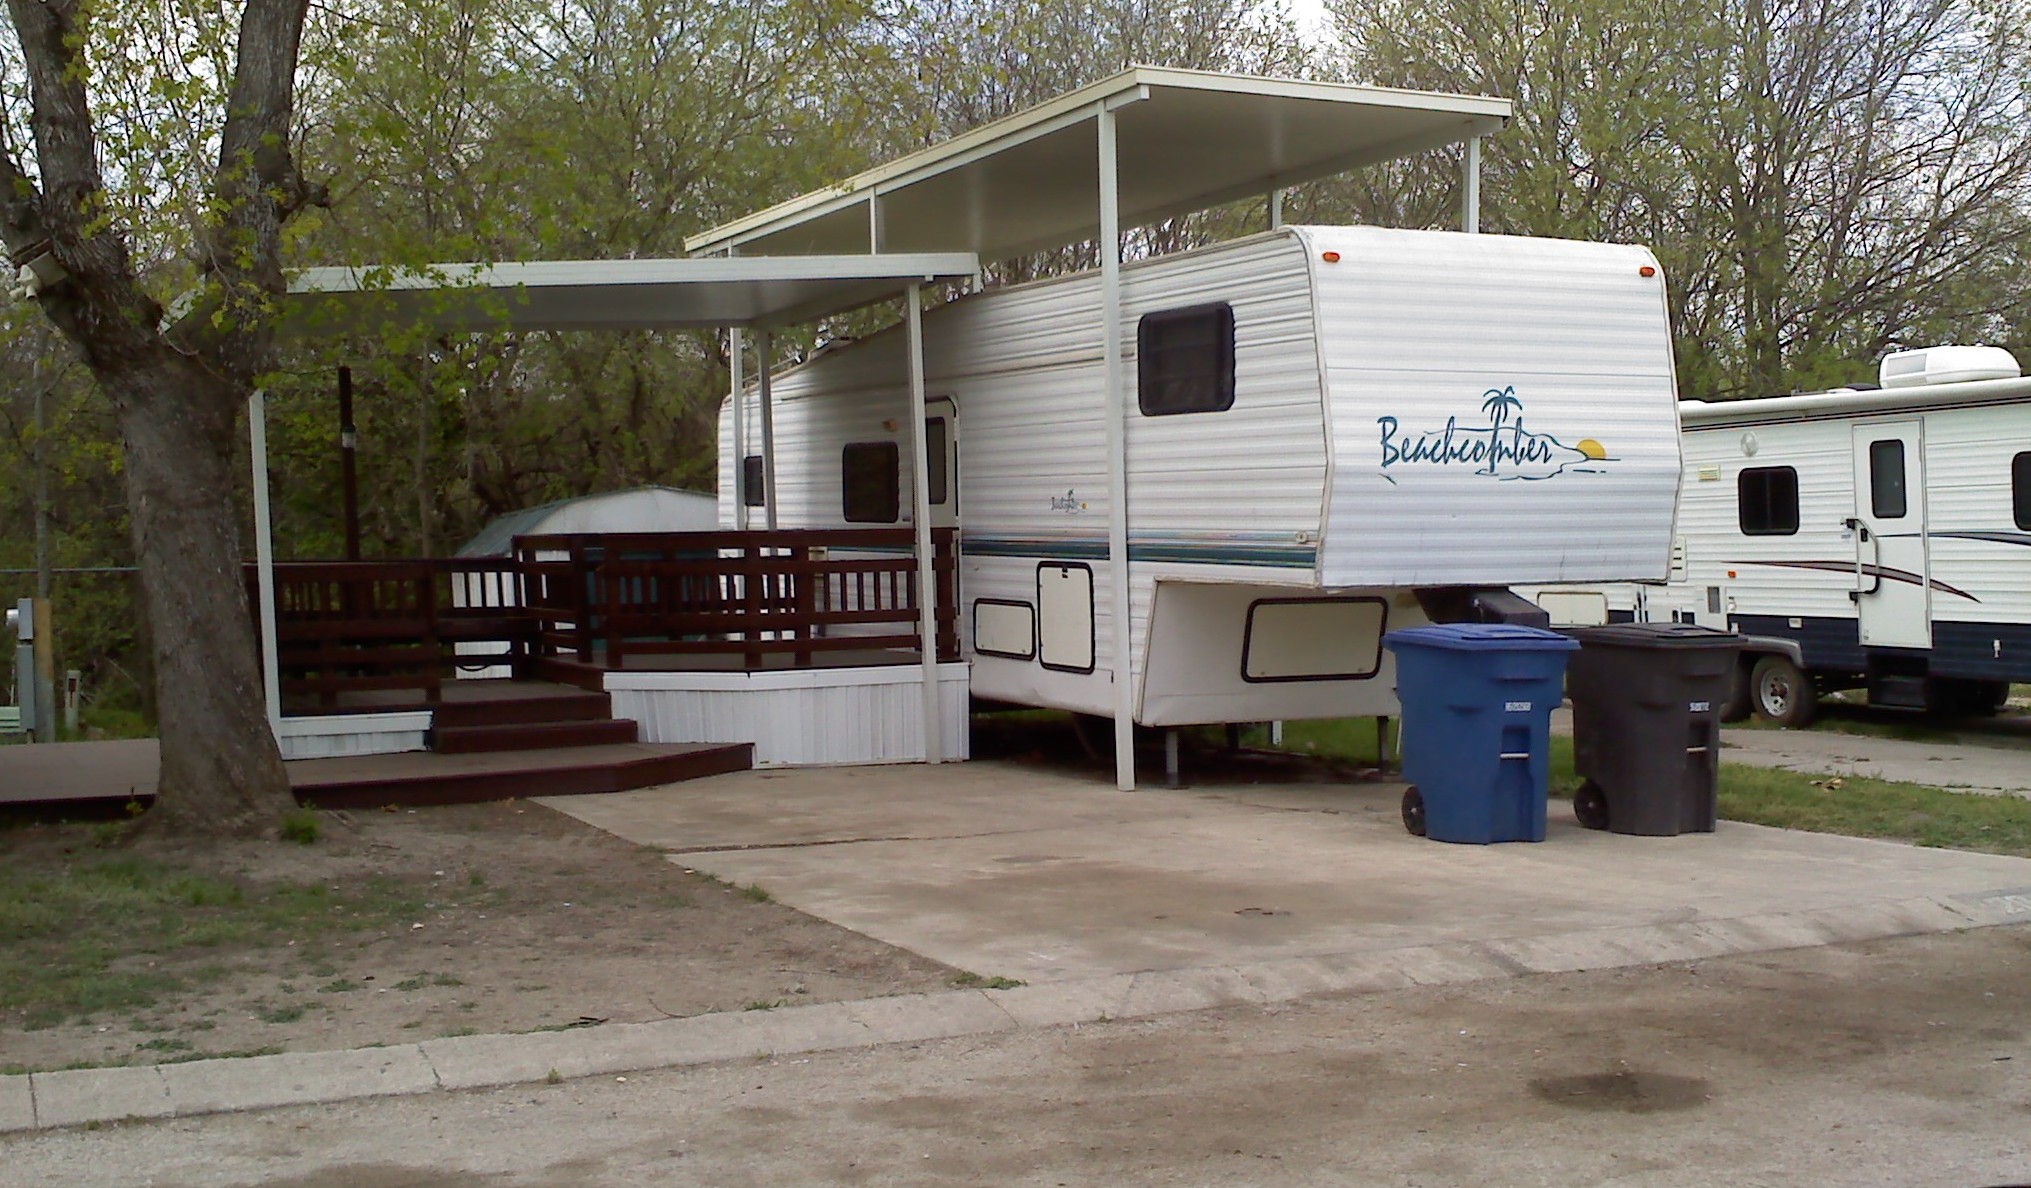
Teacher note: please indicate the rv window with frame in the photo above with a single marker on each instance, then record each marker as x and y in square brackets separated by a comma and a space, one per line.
[870, 482]
[2020, 490]
[1184, 361]
[751, 492]
[1767, 501]
[1886, 479]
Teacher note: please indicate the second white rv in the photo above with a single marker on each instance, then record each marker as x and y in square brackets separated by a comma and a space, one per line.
[1335, 432]
[1861, 538]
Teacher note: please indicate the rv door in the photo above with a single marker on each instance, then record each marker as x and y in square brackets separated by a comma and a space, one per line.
[1893, 596]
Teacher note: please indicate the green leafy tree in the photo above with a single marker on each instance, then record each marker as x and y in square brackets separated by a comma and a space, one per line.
[1822, 179]
[94, 149]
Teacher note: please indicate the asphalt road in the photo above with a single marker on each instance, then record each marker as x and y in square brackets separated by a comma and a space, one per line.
[1904, 1062]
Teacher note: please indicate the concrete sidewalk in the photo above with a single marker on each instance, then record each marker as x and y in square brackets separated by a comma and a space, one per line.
[1962, 767]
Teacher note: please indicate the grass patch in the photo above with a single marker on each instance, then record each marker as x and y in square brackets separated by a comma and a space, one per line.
[1351, 740]
[756, 893]
[1862, 807]
[968, 980]
[766, 1004]
[165, 1044]
[287, 1013]
[299, 825]
[120, 932]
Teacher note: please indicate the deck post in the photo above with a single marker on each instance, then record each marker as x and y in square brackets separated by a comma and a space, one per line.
[1470, 187]
[920, 511]
[735, 360]
[1117, 452]
[264, 558]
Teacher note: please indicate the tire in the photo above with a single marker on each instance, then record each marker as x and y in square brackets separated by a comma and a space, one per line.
[1737, 707]
[1779, 692]
[1414, 811]
[1590, 805]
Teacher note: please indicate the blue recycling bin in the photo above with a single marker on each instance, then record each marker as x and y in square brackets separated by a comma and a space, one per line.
[1477, 701]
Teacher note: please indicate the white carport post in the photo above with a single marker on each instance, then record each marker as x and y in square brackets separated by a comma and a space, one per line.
[920, 511]
[1470, 187]
[765, 351]
[264, 558]
[1117, 451]
[734, 362]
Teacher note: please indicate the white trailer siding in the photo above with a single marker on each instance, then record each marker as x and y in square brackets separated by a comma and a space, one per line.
[1427, 328]
[1227, 510]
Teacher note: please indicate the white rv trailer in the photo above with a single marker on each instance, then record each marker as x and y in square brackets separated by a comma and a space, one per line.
[1874, 538]
[1337, 432]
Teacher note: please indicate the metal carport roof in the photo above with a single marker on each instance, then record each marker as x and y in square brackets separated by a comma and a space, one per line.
[1188, 140]
[654, 294]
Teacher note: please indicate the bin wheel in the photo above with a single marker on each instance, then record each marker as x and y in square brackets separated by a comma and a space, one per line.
[1414, 811]
[1781, 693]
[1590, 805]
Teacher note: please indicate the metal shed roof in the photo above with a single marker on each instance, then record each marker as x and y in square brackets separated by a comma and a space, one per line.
[658, 294]
[1188, 140]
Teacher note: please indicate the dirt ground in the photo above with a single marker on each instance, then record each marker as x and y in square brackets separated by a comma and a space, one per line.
[469, 919]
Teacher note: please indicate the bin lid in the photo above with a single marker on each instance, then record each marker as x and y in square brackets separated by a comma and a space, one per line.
[1657, 635]
[1504, 637]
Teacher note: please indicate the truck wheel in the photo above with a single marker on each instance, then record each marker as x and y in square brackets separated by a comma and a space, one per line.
[1738, 705]
[1590, 805]
[1780, 693]
[1414, 811]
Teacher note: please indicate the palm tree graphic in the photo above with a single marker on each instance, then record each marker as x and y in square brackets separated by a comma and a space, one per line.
[1499, 404]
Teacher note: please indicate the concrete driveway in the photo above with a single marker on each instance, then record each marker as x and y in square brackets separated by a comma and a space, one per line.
[1040, 875]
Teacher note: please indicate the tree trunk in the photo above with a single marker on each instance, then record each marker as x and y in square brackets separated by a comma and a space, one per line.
[221, 769]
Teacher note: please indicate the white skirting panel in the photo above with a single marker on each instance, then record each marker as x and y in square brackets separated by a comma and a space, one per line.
[816, 717]
[335, 735]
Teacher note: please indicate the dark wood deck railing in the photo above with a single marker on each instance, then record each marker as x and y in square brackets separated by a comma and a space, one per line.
[601, 598]
[598, 598]
[344, 626]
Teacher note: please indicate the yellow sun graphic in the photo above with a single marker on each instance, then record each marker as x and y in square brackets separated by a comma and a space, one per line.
[1592, 449]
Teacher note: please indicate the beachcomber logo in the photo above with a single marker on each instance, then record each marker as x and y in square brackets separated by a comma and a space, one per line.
[1503, 448]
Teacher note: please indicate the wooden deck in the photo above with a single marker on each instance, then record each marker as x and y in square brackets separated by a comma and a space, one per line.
[103, 777]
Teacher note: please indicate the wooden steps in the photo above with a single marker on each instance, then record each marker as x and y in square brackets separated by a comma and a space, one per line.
[429, 777]
[531, 736]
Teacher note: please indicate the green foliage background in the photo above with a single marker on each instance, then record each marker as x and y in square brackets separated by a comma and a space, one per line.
[1824, 181]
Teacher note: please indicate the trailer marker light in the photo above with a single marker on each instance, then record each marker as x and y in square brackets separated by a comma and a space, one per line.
[1731, 573]
[1330, 257]
[1646, 270]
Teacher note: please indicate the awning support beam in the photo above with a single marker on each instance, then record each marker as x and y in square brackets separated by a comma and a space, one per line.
[1470, 187]
[765, 354]
[735, 361]
[920, 484]
[1117, 452]
[264, 559]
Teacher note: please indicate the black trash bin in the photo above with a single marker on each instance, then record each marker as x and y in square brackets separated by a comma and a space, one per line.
[1647, 725]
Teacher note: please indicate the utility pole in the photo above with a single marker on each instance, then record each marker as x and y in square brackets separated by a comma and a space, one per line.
[349, 475]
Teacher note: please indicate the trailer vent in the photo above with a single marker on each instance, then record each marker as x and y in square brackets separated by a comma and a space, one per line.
[1947, 365]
